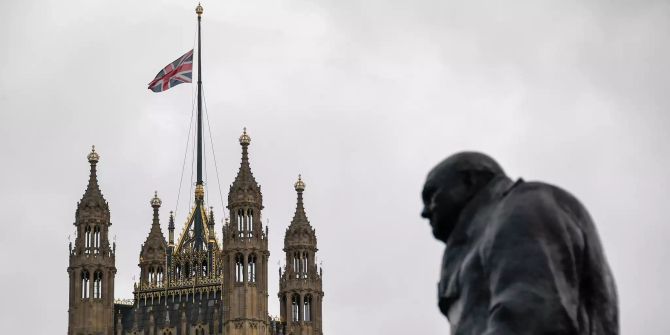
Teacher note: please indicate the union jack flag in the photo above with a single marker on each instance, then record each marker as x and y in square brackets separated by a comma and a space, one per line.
[177, 72]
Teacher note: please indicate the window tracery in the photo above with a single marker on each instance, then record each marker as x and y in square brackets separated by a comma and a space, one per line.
[295, 308]
[85, 284]
[251, 267]
[239, 268]
[97, 285]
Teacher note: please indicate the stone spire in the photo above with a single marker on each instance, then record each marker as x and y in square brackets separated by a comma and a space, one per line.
[171, 229]
[92, 198]
[245, 188]
[92, 263]
[245, 254]
[152, 254]
[300, 285]
[299, 217]
[156, 233]
[300, 232]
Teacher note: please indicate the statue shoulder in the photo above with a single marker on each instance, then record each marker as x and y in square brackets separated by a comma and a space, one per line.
[534, 207]
[542, 199]
[535, 216]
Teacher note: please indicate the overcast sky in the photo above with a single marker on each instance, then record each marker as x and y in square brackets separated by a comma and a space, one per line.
[362, 98]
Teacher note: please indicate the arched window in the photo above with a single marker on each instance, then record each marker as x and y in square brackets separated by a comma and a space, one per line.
[186, 272]
[87, 238]
[97, 285]
[177, 272]
[239, 268]
[250, 222]
[240, 223]
[307, 309]
[251, 266]
[295, 308]
[304, 264]
[194, 269]
[296, 264]
[84, 284]
[159, 277]
[204, 268]
[96, 239]
[150, 275]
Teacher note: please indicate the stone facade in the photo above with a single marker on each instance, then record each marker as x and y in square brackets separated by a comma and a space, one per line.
[195, 285]
[300, 291]
[92, 264]
[245, 255]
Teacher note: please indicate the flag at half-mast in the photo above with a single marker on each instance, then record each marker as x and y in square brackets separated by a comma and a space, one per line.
[177, 72]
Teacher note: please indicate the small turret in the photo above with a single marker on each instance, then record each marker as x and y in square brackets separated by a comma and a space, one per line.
[92, 262]
[153, 252]
[300, 285]
[92, 202]
[245, 250]
[171, 229]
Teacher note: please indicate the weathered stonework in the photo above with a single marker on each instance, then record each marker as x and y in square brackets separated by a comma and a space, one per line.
[194, 285]
[300, 286]
[92, 264]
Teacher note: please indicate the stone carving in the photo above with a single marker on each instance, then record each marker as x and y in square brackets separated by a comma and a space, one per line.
[520, 258]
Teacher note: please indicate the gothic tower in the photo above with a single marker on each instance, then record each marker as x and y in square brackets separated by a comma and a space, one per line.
[153, 254]
[92, 266]
[300, 291]
[179, 290]
[245, 255]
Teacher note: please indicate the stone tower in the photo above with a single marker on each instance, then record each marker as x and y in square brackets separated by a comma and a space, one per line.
[92, 264]
[179, 290]
[153, 254]
[245, 255]
[300, 287]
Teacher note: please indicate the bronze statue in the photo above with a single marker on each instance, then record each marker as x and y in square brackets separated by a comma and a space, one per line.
[521, 257]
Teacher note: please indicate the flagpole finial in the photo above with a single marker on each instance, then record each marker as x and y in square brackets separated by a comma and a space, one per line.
[198, 10]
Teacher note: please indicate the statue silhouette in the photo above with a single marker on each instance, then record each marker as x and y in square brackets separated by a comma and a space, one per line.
[520, 258]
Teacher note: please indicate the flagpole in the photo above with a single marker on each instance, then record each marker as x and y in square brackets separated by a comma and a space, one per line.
[199, 187]
[199, 11]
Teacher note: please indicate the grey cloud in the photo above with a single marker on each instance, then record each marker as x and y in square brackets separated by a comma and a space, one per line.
[362, 98]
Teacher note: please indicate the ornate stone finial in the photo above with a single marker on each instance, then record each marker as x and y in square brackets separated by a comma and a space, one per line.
[199, 192]
[199, 10]
[93, 157]
[156, 201]
[244, 138]
[299, 185]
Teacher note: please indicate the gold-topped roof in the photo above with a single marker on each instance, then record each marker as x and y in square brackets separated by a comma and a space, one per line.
[245, 139]
[299, 185]
[199, 10]
[156, 201]
[93, 157]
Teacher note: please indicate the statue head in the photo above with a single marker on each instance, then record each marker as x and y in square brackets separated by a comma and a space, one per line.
[451, 185]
